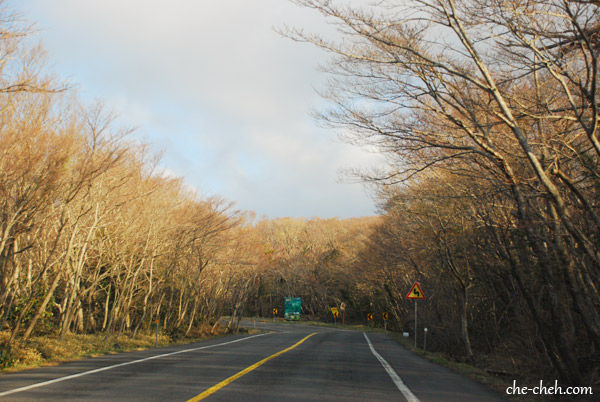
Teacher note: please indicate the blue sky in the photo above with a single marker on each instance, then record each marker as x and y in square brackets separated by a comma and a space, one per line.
[218, 92]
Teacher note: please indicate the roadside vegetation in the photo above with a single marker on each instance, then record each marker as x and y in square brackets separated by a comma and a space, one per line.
[488, 114]
[94, 236]
[52, 349]
[49, 350]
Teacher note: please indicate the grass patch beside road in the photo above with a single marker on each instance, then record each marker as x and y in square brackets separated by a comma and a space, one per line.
[51, 350]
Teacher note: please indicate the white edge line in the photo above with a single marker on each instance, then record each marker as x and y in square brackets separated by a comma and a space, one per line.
[410, 397]
[69, 377]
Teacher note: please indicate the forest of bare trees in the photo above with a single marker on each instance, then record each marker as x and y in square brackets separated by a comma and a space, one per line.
[487, 113]
[93, 235]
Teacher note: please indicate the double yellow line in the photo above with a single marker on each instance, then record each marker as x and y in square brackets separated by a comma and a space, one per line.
[245, 371]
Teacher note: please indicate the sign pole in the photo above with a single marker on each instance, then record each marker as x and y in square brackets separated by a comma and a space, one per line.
[385, 317]
[415, 294]
[156, 337]
[415, 324]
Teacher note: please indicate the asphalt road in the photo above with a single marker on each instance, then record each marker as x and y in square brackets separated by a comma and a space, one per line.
[286, 363]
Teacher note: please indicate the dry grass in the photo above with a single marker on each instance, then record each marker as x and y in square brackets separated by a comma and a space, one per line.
[50, 349]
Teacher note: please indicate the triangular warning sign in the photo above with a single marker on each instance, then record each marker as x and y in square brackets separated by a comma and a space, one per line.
[415, 292]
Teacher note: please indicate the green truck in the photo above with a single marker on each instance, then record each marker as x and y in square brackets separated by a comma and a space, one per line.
[293, 308]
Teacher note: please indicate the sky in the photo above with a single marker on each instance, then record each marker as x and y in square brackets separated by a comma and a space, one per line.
[213, 87]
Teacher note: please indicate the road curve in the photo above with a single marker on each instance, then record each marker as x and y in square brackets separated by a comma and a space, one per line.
[289, 362]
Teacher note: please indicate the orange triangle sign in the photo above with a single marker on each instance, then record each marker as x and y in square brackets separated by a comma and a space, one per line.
[415, 292]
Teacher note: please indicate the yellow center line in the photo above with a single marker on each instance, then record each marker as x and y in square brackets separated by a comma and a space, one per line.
[245, 371]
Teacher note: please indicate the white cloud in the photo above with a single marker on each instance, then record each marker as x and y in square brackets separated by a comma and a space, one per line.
[214, 86]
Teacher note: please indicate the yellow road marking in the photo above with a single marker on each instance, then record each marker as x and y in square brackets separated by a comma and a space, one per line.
[245, 371]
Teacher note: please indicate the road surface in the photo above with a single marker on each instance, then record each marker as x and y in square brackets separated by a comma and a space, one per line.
[285, 363]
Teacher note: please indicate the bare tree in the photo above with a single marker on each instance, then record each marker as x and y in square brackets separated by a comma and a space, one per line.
[503, 91]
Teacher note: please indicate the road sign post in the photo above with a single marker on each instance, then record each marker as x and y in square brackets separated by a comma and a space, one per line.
[425, 339]
[370, 319]
[156, 336]
[415, 324]
[385, 317]
[335, 313]
[415, 294]
[293, 308]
